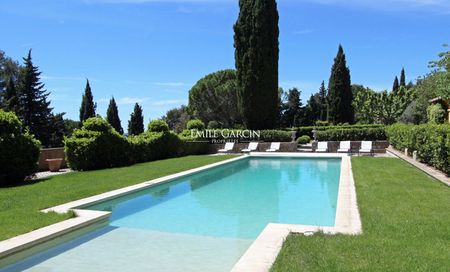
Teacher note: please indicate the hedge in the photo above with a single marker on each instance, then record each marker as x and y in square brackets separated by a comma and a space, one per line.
[19, 150]
[352, 134]
[265, 135]
[308, 130]
[432, 142]
[97, 146]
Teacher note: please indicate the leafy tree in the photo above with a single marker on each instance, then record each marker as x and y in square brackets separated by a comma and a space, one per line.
[9, 70]
[158, 126]
[112, 116]
[70, 126]
[292, 115]
[10, 96]
[339, 91]
[395, 86]
[195, 124]
[214, 98]
[177, 118]
[314, 110]
[363, 104]
[403, 78]
[136, 123]
[87, 109]
[436, 114]
[256, 42]
[33, 108]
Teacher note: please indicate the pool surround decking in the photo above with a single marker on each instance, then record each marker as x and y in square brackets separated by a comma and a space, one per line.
[261, 254]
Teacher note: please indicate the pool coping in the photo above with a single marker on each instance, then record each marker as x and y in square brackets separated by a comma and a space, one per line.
[261, 254]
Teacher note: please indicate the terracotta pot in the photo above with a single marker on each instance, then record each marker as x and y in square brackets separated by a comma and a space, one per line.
[54, 164]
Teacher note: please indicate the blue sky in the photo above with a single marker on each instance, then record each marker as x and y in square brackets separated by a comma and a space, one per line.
[153, 51]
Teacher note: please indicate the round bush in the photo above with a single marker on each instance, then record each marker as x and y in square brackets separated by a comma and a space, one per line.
[19, 151]
[305, 139]
[213, 125]
[196, 124]
[158, 126]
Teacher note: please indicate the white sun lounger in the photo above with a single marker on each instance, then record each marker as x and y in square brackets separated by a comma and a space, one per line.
[366, 147]
[344, 147]
[322, 147]
[274, 147]
[228, 147]
[251, 147]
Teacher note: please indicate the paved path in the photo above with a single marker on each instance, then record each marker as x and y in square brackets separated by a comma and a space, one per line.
[425, 168]
[46, 174]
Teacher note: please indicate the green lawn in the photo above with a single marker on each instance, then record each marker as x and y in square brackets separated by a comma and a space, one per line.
[406, 225]
[20, 206]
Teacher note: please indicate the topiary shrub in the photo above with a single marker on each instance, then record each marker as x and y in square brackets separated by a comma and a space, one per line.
[96, 146]
[196, 124]
[152, 146]
[305, 139]
[158, 126]
[436, 114]
[19, 150]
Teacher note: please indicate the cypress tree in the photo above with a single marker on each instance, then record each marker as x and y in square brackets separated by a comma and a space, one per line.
[10, 97]
[112, 116]
[87, 108]
[33, 107]
[340, 91]
[322, 99]
[136, 123]
[256, 54]
[403, 78]
[395, 86]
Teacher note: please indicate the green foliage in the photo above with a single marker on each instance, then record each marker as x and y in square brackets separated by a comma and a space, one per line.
[305, 139]
[96, 146]
[308, 129]
[256, 42]
[275, 136]
[19, 151]
[436, 114]
[402, 78]
[136, 123]
[158, 126]
[112, 116]
[352, 134]
[87, 108]
[152, 146]
[395, 86]
[214, 97]
[177, 118]
[292, 114]
[320, 123]
[432, 142]
[213, 125]
[195, 124]
[340, 92]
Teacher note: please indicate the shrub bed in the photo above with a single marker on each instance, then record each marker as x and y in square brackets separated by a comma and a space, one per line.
[97, 146]
[352, 134]
[19, 150]
[265, 135]
[432, 142]
[308, 130]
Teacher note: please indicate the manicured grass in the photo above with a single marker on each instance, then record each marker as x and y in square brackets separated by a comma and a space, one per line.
[406, 225]
[20, 206]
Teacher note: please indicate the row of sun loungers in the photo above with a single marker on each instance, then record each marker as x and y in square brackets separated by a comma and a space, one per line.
[344, 147]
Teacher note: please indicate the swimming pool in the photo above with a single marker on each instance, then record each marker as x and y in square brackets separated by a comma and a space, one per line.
[200, 222]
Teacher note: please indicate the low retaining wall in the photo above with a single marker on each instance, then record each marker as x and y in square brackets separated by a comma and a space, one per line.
[51, 153]
[378, 146]
[284, 147]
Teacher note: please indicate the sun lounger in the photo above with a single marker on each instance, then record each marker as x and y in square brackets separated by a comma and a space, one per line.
[366, 147]
[227, 148]
[274, 147]
[344, 147]
[251, 147]
[322, 147]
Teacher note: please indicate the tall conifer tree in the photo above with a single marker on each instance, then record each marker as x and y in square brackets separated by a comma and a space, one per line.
[340, 91]
[395, 86]
[403, 78]
[136, 123]
[112, 116]
[323, 102]
[10, 97]
[87, 108]
[256, 42]
[33, 106]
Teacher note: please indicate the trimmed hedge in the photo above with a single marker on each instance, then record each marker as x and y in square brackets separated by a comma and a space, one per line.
[352, 134]
[158, 126]
[432, 142]
[265, 135]
[97, 146]
[305, 139]
[19, 150]
[308, 130]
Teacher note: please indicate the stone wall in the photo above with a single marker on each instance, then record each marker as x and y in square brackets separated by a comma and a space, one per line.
[51, 153]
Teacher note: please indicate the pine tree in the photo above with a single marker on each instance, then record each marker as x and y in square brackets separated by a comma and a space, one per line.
[136, 123]
[10, 97]
[322, 100]
[395, 86]
[87, 108]
[340, 91]
[256, 42]
[112, 116]
[403, 78]
[33, 107]
[292, 115]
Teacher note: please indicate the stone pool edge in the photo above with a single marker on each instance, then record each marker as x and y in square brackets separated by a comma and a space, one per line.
[85, 218]
[263, 252]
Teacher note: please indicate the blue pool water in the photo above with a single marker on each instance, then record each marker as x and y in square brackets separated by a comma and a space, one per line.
[201, 222]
